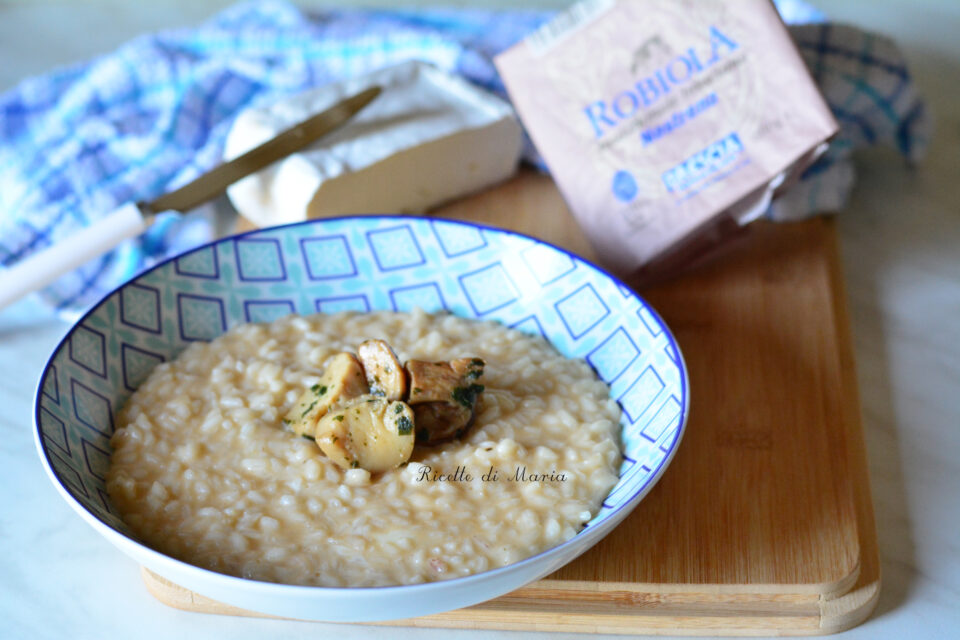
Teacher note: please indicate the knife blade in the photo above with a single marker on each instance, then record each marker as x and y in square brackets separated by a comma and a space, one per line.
[215, 182]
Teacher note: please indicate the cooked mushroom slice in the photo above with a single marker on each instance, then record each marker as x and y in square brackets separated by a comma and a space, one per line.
[343, 379]
[443, 396]
[385, 375]
[438, 422]
[431, 381]
[454, 381]
[470, 369]
[369, 432]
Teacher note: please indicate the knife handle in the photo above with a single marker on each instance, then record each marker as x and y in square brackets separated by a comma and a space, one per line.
[43, 267]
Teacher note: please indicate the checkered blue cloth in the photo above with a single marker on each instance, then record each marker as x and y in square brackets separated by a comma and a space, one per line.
[152, 115]
[865, 80]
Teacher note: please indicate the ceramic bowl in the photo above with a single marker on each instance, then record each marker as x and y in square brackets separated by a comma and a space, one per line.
[359, 263]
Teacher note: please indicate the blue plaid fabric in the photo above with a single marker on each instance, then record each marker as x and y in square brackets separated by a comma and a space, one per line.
[865, 79]
[133, 124]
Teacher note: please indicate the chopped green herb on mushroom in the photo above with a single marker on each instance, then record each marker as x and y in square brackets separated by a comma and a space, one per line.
[342, 379]
[355, 414]
[444, 397]
[308, 410]
[384, 373]
[467, 396]
[370, 432]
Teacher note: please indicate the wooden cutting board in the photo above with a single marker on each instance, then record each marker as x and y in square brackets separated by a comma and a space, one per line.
[763, 523]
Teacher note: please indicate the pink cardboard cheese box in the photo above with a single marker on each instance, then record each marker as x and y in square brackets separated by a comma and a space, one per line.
[664, 121]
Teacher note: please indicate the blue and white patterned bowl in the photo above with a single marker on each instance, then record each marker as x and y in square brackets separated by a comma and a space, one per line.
[359, 263]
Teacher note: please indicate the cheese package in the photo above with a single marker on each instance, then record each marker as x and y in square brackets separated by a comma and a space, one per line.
[429, 137]
[665, 122]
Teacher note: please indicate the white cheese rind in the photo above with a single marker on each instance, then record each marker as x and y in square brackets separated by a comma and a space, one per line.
[428, 138]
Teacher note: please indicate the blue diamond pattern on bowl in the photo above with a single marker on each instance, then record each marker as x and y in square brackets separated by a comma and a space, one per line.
[54, 430]
[547, 265]
[529, 325]
[651, 323]
[92, 409]
[70, 475]
[267, 310]
[671, 352]
[50, 387]
[342, 303]
[421, 296]
[259, 260]
[489, 288]
[582, 310]
[361, 263]
[202, 263]
[641, 394]
[201, 317]
[88, 349]
[666, 416]
[457, 240]
[327, 257]
[395, 248]
[613, 356]
[97, 460]
[105, 502]
[136, 364]
[140, 307]
[631, 473]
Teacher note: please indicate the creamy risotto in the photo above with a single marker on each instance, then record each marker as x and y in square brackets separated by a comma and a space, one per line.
[203, 469]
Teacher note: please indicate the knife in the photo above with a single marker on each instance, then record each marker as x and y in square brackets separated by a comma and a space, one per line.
[131, 219]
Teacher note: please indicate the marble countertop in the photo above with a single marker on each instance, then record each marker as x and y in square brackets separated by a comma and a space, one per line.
[900, 239]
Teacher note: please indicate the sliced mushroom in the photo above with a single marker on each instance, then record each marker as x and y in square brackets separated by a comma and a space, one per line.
[438, 422]
[384, 374]
[444, 396]
[367, 432]
[470, 369]
[431, 381]
[343, 379]
[443, 381]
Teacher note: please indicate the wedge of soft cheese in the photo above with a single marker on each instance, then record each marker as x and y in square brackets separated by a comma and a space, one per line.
[428, 138]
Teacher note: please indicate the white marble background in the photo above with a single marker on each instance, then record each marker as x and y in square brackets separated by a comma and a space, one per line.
[900, 239]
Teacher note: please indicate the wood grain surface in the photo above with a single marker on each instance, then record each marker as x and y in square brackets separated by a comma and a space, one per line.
[763, 523]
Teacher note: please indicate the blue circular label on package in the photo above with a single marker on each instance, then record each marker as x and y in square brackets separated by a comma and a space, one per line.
[624, 186]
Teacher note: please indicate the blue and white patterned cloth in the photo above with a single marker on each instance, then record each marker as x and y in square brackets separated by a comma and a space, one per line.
[140, 121]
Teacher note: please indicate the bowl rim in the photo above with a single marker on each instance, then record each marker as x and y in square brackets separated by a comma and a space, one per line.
[276, 588]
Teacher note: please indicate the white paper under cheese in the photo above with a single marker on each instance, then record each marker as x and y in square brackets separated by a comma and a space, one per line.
[428, 138]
